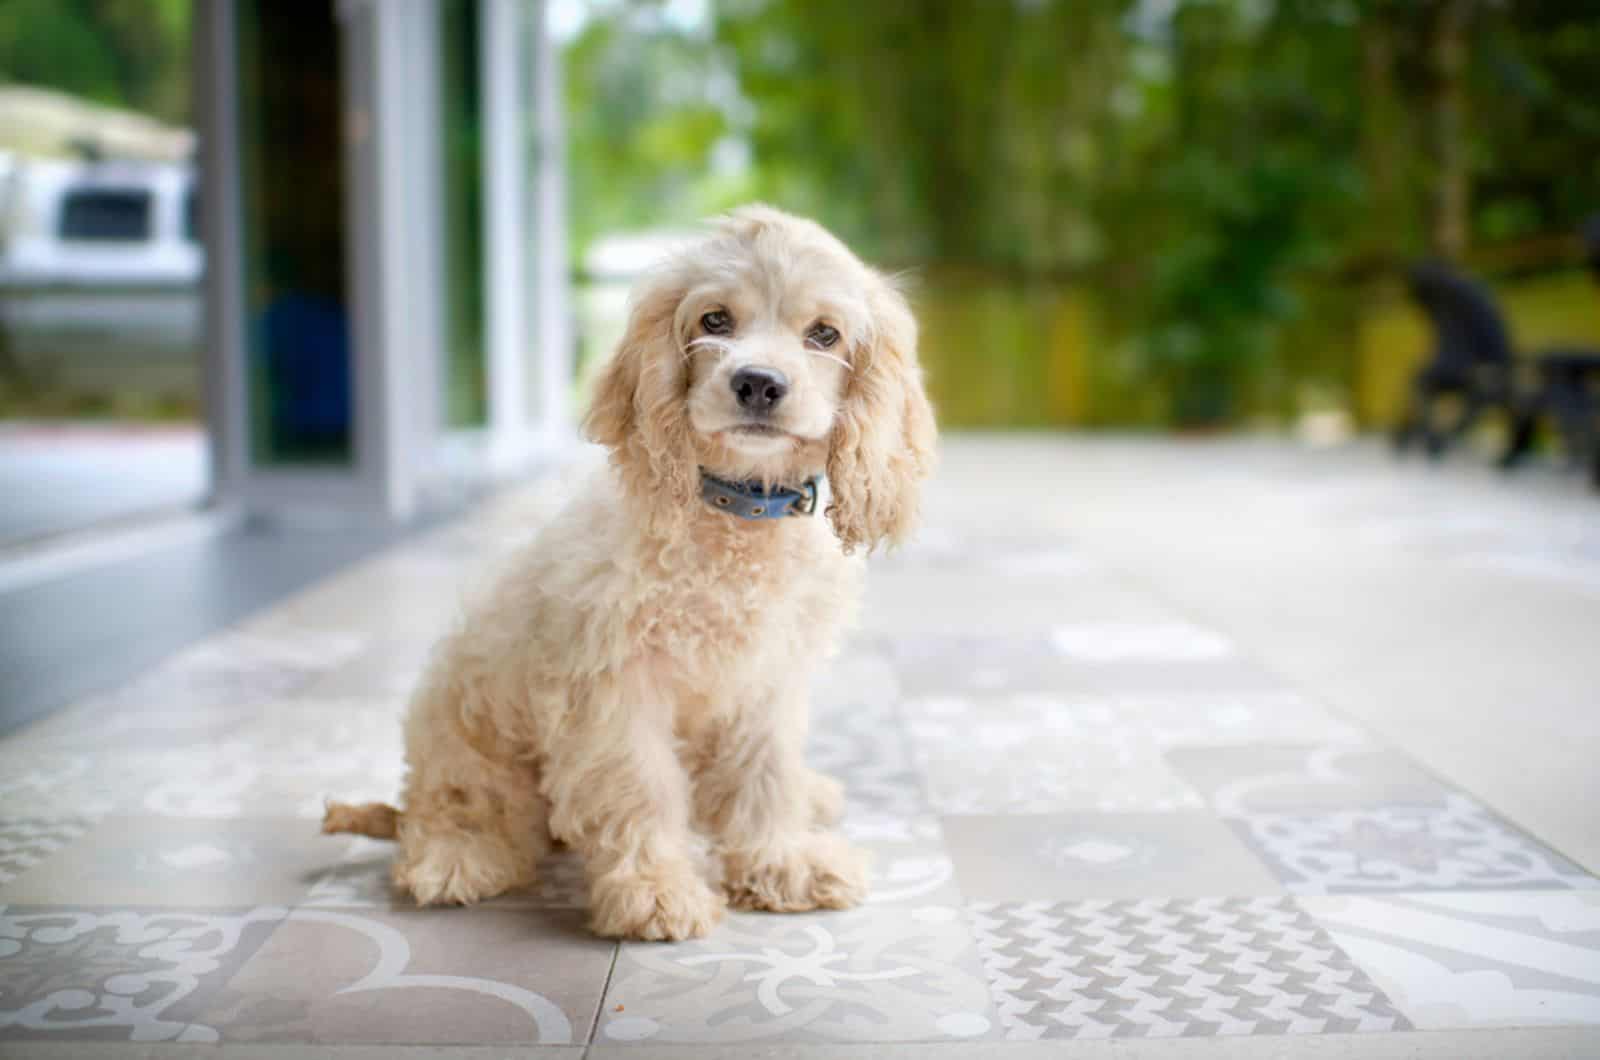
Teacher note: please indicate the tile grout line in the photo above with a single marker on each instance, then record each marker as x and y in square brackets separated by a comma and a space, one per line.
[600, 1003]
[1379, 739]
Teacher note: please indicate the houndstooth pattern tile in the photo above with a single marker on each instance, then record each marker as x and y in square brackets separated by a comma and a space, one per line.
[1171, 968]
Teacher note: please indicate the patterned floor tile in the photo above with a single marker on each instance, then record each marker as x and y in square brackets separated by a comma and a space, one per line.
[1456, 845]
[1170, 968]
[863, 744]
[1149, 642]
[231, 778]
[1470, 960]
[1017, 603]
[429, 976]
[915, 873]
[93, 727]
[163, 861]
[239, 667]
[857, 676]
[937, 548]
[872, 974]
[138, 975]
[1037, 754]
[43, 783]
[981, 664]
[27, 841]
[385, 673]
[1252, 779]
[360, 880]
[1025, 857]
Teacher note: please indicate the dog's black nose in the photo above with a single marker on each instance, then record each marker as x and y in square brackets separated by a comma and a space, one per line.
[759, 389]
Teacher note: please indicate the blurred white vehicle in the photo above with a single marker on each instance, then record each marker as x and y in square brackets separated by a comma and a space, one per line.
[99, 274]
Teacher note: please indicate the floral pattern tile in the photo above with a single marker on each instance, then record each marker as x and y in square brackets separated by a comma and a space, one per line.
[863, 744]
[1037, 754]
[26, 841]
[1476, 960]
[915, 873]
[1458, 845]
[231, 778]
[1163, 968]
[333, 976]
[238, 667]
[869, 975]
[128, 975]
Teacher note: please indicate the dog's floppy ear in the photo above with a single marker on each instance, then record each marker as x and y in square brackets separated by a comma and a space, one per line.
[883, 438]
[638, 409]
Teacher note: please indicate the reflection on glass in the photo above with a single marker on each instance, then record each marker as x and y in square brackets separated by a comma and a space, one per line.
[465, 403]
[293, 205]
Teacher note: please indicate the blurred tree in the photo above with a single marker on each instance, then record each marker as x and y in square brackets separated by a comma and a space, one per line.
[128, 53]
[649, 106]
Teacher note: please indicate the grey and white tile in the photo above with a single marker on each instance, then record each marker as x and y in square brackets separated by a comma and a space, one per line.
[1475, 960]
[868, 975]
[27, 841]
[238, 667]
[186, 863]
[1037, 754]
[913, 873]
[121, 975]
[1456, 845]
[360, 879]
[1171, 968]
[1107, 661]
[423, 977]
[231, 778]
[1011, 602]
[1053, 857]
[1268, 778]
[863, 744]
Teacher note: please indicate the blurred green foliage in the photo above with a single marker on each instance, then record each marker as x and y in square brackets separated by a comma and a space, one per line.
[1112, 211]
[128, 53]
[1214, 193]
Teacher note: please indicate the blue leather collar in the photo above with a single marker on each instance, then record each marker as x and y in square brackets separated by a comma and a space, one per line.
[748, 500]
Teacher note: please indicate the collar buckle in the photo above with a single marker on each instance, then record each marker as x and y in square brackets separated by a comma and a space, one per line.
[807, 504]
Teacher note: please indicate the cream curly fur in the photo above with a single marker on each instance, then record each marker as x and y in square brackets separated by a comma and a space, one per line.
[635, 685]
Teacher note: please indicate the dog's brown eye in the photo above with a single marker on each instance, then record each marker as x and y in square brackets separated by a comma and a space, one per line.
[822, 336]
[717, 322]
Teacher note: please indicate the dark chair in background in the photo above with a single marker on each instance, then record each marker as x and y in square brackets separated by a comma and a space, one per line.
[1471, 361]
[1565, 392]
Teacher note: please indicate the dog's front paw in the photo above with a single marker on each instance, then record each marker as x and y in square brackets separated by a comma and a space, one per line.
[817, 870]
[827, 799]
[460, 868]
[665, 904]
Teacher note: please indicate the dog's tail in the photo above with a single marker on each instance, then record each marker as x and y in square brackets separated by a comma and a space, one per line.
[376, 819]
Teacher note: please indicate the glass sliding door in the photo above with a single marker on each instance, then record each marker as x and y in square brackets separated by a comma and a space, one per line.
[466, 400]
[297, 314]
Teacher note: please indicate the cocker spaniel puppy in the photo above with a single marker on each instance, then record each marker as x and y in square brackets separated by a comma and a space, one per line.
[636, 686]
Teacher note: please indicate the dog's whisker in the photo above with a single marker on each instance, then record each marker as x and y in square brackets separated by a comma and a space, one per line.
[828, 356]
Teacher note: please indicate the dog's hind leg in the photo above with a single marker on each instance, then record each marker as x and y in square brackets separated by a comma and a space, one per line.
[474, 823]
[467, 838]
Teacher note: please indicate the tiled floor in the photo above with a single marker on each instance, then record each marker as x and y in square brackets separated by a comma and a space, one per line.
[1092, 816]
